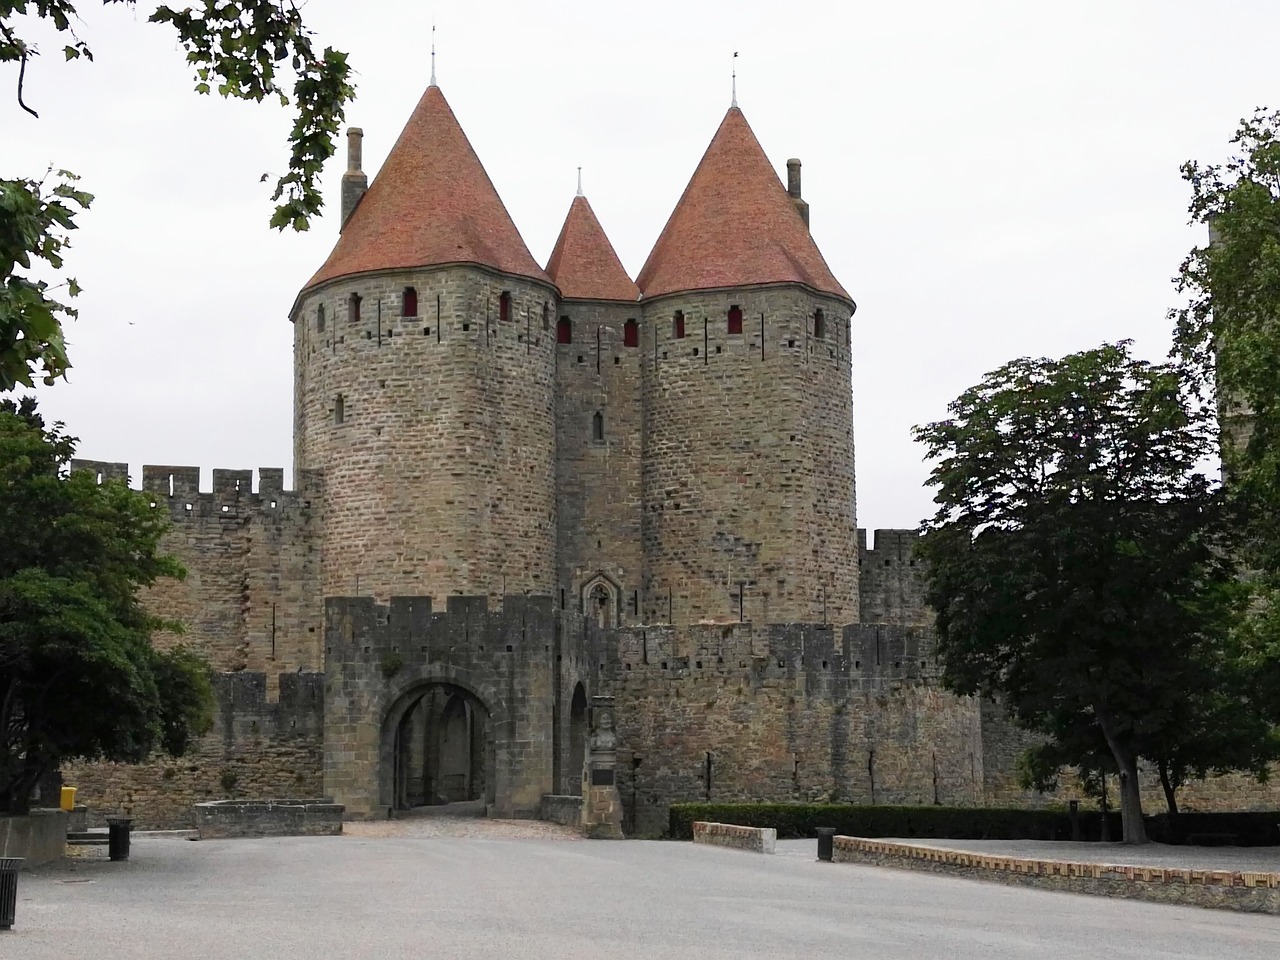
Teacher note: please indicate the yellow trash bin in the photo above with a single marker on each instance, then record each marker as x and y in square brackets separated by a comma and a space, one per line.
[68, 798]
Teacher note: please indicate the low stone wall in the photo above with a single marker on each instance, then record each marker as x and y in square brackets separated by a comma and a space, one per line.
[561, 809]
[39, 838]
[755, 839]
[221, 819]
[1221, 889]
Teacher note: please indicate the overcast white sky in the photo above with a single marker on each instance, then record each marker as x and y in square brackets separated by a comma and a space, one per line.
[988, 179]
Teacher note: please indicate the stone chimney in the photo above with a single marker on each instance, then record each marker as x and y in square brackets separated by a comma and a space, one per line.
[354, 181]
[793, 189]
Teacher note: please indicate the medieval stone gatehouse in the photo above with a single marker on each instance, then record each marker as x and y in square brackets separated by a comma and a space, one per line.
[520, 487]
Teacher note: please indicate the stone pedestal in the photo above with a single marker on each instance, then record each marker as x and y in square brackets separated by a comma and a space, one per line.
[601, 802]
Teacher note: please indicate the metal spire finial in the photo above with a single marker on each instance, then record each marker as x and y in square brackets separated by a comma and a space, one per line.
[433, 53]
[734, 102]
[580, 193]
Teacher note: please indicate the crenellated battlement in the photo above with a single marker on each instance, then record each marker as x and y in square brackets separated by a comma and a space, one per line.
[359, 628]
[245, 710]
[864, 653]
[891, 578]
[897, 546]
[233, 490]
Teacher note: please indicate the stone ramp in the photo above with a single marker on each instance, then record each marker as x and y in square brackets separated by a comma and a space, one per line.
[1240, 878]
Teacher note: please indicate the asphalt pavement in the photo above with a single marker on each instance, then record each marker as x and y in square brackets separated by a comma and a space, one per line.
[478, 896]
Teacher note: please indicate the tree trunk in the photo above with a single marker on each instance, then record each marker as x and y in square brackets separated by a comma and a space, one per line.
[1170, 791]
[1135, 831]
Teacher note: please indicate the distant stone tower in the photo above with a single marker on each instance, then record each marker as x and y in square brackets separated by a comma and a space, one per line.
[748, 424]
[424, 364]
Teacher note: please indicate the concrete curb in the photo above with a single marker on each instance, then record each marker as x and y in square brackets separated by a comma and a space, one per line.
[1219, 889]
[754, 839]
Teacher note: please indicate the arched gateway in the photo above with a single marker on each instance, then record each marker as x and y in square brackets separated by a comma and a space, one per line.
[437, 748]
[424, 707]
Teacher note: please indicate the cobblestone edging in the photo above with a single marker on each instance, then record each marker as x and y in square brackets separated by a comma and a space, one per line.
[1221, 889]
[221, 819]
[755, 839]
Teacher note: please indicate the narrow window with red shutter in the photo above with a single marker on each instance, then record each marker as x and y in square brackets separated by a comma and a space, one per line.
[735, 319]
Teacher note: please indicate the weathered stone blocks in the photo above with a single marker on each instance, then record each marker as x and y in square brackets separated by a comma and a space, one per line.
[753, 839]
[223, 819]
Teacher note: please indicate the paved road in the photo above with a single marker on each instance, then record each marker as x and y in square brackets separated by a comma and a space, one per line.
[417, 896]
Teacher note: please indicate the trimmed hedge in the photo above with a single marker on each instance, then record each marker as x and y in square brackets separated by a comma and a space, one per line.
[1260, 829]
[960, 823]
[798, 820]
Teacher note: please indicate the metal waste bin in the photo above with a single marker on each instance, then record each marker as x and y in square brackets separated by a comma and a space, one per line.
[8, 890]
[118, 829]
[826, 842]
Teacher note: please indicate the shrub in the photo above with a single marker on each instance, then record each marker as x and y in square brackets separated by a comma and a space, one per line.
[967, 823]
[798, 820]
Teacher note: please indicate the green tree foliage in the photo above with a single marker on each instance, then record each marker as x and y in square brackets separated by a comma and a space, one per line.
[1227, 335]
[78, 675]
[34, 222]
[247, 49]
[1076, 570]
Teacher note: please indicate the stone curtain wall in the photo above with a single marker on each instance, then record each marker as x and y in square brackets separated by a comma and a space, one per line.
[1003, 743]
[598, 482]
[748, 460]
[891, 579]
[787, 712]
[250, 600]
[257, 748]
[441, 478]
[381, 657]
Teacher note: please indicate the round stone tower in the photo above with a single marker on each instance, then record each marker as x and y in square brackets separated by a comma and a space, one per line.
[424, 366]
[748, 444]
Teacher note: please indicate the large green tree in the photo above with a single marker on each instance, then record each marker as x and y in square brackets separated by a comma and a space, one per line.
[79, 677]
[1227, 335]
[247, 49]
[1075, 563]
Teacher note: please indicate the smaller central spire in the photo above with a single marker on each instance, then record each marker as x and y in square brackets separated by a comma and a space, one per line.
[580, 193]
[433, 54]
[734, 101]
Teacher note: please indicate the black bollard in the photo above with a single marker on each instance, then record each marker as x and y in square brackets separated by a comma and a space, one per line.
[826, 842]
[8, 890]
[118, 829]
[1073, 811]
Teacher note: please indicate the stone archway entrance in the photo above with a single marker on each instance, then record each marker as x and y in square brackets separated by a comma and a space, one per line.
[442, 748]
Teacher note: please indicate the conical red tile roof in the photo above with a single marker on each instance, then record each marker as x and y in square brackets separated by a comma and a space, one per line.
[583, 264]
[735, 225]
[431, 203]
